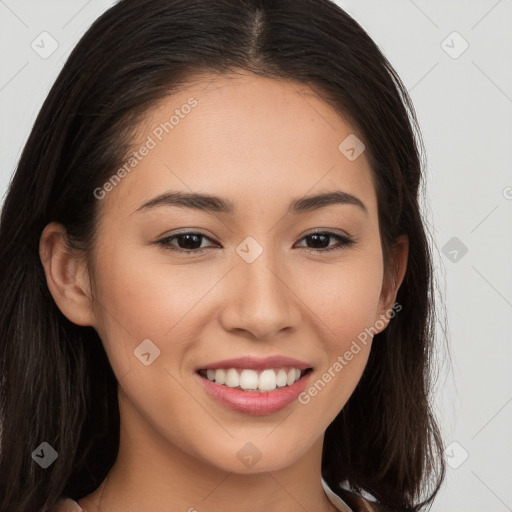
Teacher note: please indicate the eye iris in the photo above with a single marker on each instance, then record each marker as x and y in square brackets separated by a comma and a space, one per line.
[316, 237]
[191, 239]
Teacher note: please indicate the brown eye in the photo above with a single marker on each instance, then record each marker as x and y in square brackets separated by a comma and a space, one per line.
[187, 242]
[320, 241]
[190, 242]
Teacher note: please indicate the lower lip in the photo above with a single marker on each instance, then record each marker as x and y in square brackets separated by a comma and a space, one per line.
[253, 402]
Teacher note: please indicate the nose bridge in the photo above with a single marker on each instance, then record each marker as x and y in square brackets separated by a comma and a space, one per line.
[261, 300]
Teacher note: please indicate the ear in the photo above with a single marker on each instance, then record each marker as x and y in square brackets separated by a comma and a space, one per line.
[66, 275]
[393, 277]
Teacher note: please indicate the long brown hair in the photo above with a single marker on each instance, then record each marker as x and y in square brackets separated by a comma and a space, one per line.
[56, 382]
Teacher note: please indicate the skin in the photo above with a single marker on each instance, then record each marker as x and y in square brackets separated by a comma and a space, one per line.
[260, 143]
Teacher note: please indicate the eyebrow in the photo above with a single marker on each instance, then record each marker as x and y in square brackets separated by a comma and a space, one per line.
[215, 204]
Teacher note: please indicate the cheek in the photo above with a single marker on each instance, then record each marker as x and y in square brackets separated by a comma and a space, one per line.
[141, 297]
[347, 345]
[346, 298]
[144, 296]
[348, 309]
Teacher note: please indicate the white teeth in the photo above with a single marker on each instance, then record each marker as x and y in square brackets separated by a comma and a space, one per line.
[281, 378]
[266, 380]
[232, 378]
[220, 376]
[249, 379]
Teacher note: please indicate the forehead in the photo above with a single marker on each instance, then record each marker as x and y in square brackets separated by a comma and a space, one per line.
[245, 137]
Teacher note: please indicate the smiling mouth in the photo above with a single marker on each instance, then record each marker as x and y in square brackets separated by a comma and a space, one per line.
[270, 379]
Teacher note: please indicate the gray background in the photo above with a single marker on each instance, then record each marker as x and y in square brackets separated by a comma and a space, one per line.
[463, 98]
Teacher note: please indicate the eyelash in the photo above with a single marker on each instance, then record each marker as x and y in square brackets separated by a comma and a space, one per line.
[343, 242]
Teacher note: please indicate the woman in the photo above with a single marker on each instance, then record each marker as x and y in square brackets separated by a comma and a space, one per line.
[197, 168]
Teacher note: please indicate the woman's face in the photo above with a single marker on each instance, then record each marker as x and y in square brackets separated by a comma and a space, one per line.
[262, 287]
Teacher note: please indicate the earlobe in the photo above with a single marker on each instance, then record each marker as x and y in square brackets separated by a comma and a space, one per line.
[393, 279]
[66, 275]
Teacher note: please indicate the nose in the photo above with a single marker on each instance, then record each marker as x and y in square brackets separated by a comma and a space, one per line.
[261, 300]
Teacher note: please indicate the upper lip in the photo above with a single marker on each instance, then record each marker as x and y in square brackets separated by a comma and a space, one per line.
[257, 363]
